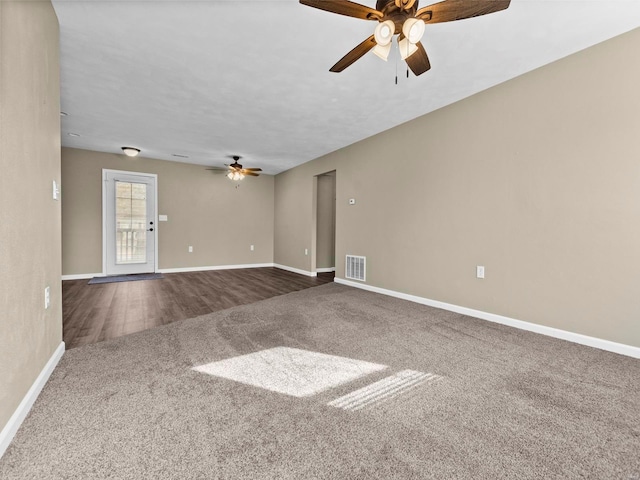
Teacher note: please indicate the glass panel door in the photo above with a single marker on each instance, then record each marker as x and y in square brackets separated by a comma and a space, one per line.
[131, 223]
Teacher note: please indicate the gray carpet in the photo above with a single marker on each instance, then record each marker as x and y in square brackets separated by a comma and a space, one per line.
[126, 278]
[499, 403]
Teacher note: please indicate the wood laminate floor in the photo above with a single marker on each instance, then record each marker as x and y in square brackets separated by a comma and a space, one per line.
[93, 313]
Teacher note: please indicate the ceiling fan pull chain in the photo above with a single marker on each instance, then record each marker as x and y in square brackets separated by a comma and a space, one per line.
[397, 66]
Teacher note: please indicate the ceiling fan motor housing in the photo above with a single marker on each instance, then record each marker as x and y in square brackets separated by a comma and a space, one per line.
[235, 163]
[397, 15]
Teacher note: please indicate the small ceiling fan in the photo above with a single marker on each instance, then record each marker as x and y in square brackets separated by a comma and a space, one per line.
[235, 171]
[405, 19]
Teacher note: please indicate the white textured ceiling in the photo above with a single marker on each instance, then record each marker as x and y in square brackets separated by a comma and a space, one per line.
[207, 79]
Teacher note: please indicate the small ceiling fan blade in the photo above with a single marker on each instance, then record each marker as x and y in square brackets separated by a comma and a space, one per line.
[419, 61]
[252, 174]
[451, 10]
[354, 55]
[344, 7]
[253, 169]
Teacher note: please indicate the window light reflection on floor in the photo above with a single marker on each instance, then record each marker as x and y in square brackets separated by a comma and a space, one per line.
[292, 371]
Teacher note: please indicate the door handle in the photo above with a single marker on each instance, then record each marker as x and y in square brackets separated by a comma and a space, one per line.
[150, 230]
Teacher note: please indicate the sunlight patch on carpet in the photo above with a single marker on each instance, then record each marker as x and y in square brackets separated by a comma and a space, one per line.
[295, 372]
[383, 390]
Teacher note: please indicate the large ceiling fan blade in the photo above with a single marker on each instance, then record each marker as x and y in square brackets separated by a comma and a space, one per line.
[419, 61]
[345, 7]
[253, 169]
[450, 10]
[252, 174]
[354, 55]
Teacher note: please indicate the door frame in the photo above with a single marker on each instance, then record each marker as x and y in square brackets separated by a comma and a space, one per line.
[106, 171]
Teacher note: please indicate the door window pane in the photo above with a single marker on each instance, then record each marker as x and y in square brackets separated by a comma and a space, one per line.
[131, 223]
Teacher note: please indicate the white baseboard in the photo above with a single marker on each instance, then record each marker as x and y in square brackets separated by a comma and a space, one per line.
[326, 270]
[82, 276]
[216, 267]
[12, 426]
[295, 270]
[607, 345]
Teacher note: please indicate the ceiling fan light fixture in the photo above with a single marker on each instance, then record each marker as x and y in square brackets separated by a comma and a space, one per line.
[235, 175]
[384, 33]
[413, 29]
[406, 48]
[382, 51]
[131, 151]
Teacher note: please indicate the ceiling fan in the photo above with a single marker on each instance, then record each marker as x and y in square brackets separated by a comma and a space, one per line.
[235, 171]
[405, 19]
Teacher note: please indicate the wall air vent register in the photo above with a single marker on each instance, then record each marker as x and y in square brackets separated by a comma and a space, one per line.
[355, 268]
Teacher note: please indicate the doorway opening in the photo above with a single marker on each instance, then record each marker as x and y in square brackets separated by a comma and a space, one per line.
[325, 258]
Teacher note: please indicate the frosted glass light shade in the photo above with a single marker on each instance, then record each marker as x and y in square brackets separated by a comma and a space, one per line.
[130, 151]
[406, 48]
[384, 32]
[382, 51]
[413, 29]
[235, 175]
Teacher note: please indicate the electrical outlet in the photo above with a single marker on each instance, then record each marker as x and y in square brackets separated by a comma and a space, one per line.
[190, 249]
[480, 271]
[251, 248]
[47, 297]
[56, 190]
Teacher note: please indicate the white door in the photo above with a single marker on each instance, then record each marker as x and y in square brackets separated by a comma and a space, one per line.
[129, 222]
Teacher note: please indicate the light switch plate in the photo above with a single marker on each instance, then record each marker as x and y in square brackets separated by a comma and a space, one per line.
[163, 218]
[56, 191]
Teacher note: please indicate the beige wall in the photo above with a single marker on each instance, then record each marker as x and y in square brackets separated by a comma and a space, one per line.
[204, 209]
[29, 218]
[537, 179]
